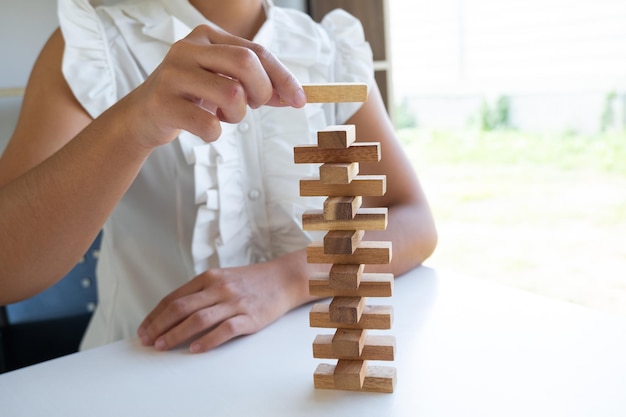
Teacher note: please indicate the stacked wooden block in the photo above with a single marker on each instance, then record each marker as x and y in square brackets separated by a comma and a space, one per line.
[344, 248]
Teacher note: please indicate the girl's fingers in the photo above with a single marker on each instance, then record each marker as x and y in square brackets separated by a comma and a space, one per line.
[262, 75]
[173, 309]
[228, 329]
[196, 323]
[208, 77]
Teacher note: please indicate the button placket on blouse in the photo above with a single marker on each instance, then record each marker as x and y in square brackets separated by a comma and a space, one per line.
[219, 161]
[203, 158]
[254, 194]
[256, 204]
[233, 220]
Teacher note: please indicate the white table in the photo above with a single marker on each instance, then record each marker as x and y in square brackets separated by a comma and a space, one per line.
[464, 348]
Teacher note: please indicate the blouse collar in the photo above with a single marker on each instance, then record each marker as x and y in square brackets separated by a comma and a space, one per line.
[283, 36]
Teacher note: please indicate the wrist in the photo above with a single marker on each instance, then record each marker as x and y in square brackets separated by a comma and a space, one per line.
[294, 273]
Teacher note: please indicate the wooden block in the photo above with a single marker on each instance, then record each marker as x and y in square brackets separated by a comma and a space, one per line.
[357, 152]
[348, 343]
[366, 218]
[346, 310]
[379, 347]
[336, 92]
[342, 208]
[339, 173]
[373, 317]
[380, 379]
[345, 277]
[342, 242]
[375, 348]
[371, 285]
[377, 378]
[368, 253]
[363, 185]
[336, 136]
[324, 376]
[349, 374]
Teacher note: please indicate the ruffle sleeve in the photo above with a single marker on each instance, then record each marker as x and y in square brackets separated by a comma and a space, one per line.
[86, 64]
[333, 51]
[353, 60]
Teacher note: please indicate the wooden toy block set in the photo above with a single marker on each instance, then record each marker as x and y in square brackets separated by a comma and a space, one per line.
[346, 222]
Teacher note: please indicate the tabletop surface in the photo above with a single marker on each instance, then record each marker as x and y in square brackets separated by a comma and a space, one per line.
[465, 347]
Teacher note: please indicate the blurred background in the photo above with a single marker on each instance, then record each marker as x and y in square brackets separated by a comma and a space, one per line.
[514, 114]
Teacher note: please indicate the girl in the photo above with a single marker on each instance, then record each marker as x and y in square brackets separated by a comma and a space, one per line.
[171, 125]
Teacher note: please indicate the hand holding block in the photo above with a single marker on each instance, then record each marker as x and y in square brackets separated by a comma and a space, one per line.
[336, 92]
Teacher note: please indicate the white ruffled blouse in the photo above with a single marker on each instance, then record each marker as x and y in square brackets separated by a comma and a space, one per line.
[195, 205]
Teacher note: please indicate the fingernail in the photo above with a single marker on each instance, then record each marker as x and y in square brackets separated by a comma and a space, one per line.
[143, 336]
[195, 348]
[159, 344]
[299, 98]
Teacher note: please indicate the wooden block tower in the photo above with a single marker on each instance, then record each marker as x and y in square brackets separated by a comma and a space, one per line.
[344, 248]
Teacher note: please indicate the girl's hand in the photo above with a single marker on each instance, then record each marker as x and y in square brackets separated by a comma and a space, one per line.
[221, 304]
[207, 77]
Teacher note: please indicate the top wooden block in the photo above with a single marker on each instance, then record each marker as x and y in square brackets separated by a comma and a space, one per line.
[336, 136]
[336, 92]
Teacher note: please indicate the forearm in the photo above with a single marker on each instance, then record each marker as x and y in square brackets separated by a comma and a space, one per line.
[412, 232]
[295, 273]
[51, 214]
